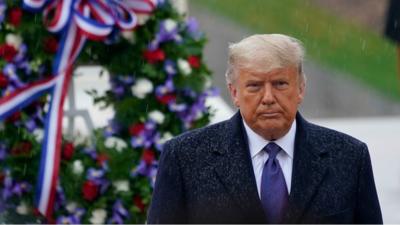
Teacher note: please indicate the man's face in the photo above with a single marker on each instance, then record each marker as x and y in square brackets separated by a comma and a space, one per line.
[268, 101]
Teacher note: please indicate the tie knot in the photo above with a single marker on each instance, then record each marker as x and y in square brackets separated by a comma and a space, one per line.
[272, 149]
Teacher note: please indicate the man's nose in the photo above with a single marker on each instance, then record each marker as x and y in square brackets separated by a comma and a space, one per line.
[268, 96]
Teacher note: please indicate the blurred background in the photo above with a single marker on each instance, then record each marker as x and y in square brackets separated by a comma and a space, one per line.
[351, 68]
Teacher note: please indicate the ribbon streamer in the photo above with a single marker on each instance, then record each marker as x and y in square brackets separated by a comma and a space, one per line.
[76, 21]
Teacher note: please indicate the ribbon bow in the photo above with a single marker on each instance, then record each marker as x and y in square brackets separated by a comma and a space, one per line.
[76, 21]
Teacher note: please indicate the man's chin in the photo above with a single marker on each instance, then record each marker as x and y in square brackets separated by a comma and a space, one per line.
[270, 131]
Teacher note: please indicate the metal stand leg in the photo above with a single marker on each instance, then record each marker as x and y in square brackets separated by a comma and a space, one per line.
[73, 112]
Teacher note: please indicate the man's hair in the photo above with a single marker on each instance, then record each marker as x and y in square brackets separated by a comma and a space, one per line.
[264, 52]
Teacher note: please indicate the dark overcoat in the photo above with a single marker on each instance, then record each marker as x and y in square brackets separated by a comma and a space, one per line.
[206, 176]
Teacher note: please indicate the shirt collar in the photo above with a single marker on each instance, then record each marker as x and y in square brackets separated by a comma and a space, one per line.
[257, 143]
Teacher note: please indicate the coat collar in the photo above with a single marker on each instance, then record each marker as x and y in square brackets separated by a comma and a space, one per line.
[310, 166]
[234, 169]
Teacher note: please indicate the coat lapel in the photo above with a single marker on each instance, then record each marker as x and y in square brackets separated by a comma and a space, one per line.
[234, 169]
[309, 169]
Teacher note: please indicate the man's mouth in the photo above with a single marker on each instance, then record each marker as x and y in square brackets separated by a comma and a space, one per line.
[269, 114]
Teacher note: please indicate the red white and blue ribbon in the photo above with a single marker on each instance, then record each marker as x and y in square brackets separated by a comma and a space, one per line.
[76, 21]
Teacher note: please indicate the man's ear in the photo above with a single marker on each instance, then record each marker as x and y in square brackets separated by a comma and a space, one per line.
[234, 94]
[302, 92]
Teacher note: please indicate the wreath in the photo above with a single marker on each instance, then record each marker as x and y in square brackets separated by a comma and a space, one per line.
[159, 85]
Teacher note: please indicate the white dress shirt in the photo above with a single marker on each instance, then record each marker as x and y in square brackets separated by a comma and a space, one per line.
[259, 157]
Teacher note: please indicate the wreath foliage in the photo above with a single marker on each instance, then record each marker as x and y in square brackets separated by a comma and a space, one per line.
[159, 85]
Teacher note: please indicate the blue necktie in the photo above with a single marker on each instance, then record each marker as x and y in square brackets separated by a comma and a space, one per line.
[274, 194]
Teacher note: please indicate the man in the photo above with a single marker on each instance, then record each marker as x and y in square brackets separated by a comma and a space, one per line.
[266, 164]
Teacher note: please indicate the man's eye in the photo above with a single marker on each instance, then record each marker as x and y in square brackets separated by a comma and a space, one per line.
[281, 84]
[252, 86]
